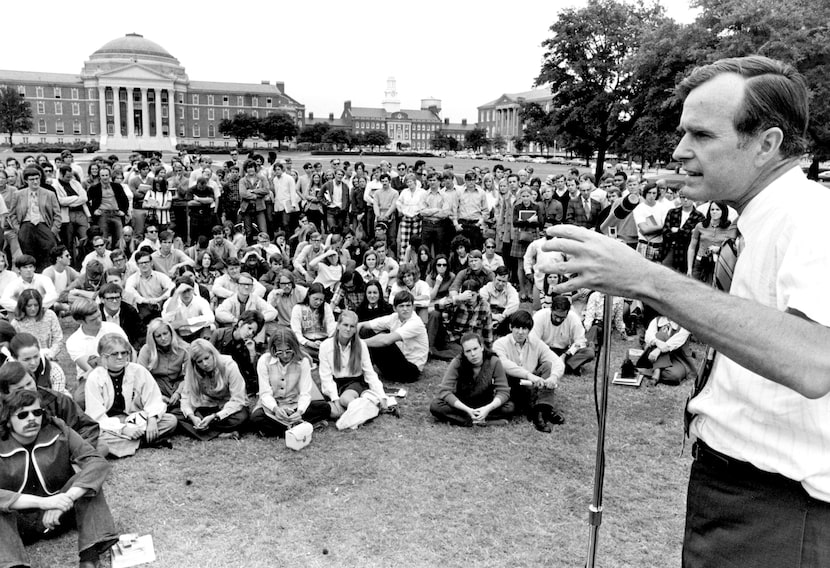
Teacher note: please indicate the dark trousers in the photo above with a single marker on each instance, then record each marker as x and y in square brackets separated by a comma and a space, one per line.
[433, 236]
[110, 223]
[472, 231]
[393, 366]
[530, 399]
[335, 219]
[574, 363]
[740, 516]
[232, 423]
[202, 221]
[91, 515]
[76, 228]
[37, 241]
[250, 217]
[445, 412]
[179, 220]
[317, 411]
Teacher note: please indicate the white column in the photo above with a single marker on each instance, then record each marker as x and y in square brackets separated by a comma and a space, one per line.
[158, 113]
[130, 114]
[116, 110]
[102, 111]
[171, 114]
[145, 113]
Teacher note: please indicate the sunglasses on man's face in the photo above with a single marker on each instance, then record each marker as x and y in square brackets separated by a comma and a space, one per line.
[24, 414]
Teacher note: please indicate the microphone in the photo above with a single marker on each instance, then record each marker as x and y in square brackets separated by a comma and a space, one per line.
[619, 212]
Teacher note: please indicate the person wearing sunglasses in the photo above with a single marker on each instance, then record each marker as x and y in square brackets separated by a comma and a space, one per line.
[58, 498]
[125, 400]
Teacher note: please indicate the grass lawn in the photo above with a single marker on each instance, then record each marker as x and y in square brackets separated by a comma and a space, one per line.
[411, 492]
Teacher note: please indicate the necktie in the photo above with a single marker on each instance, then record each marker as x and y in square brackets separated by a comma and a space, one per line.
[587, 205]
[722, 280]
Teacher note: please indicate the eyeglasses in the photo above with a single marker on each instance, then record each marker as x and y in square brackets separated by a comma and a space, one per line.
[440, 264]
[286, 353]
[99, 245]
[24, 414]
[112, 298]
[140, 262]
[118, 354]
[246, 283]
[285, 283]
[489, 246]
[152, 231]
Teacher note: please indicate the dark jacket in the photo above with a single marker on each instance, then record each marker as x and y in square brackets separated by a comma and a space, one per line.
[676, 243]
[131, 323]
[94, 196]
[57, 448]
[63, 407]
[327, 199]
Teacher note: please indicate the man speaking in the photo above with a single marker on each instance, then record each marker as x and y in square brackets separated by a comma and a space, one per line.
[759, 488]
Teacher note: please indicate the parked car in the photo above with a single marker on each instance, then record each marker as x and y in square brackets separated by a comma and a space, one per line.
[510, 158]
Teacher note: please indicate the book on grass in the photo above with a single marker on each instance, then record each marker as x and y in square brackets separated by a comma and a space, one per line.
[634, 381]
[133, 550]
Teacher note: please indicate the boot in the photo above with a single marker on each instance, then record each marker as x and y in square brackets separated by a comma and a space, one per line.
[540, 423]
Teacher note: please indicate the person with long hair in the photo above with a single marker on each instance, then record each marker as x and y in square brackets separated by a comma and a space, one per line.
[125, 400]
[346, 367]
[213, 397]
[459, 253]
[409, 279]
[70, 476]
[313, 320]
[350, 292]
[370, 270]
[439, 279]
[25, 348]
[528, 218]
[314, 205]
[30, 316]
[374, 304]
[285, 387]
[474, 390]
[164, 354]
[707, 237]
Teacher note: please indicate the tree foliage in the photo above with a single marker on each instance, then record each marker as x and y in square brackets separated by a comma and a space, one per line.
[242, 126]
[587, 65]
[278, 126]
[375, 138]
[314, 133]
[476, 139]
[499, 143]
[15, 112]
[337, 138]
[443, 141]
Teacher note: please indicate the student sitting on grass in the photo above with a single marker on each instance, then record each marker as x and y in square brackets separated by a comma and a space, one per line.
[285, 388]
[66, 493]
[125, 400]
[213, 397]
[312, 320]
[164, 355]
[346, 367]
[474, 390]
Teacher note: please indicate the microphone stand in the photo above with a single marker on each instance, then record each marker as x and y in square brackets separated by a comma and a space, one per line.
[595, 508]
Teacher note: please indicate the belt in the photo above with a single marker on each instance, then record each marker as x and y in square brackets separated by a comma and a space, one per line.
[468, 220]
[704, 454]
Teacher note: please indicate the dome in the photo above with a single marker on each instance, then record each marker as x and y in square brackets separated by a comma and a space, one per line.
[134, 45]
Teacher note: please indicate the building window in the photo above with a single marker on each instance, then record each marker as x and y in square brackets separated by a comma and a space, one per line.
[39, 92]
[181, 100]
[74, 94]
[110, 129]
[196, 132]
[57, 92]
[76, 126]
[58, 108]
[164, 111]
[60, 140]
[91, 109]
[268, 102]
[41, 107]
[25, 139]
[92, 127]
[181, 130]
[21, 90]
[90, 94]
[226, 113]
[211, 130]
[211, 114]
[255, 113]
[76, 109]
[41, 126]
[181, 114]
[195, 114]
[109, 109]
[195, 99]
[240, 101]
[225, 100]
[254, 101]
[59, 127]
[210, 99]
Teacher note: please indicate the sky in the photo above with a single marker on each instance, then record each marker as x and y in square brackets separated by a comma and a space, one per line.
[326, 52]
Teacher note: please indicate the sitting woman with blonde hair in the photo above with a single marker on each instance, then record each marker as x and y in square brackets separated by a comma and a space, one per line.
[213, 397]
[346, 367]
[164, 355]
[286, 388]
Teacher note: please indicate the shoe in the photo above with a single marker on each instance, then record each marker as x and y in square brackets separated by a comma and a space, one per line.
[554, 418]
[90, 563]
[322, 425]
[166, 444]
[541, 424]
[229, 435]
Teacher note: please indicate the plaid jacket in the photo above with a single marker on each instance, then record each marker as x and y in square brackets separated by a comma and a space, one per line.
[476, 319]
[678, 242]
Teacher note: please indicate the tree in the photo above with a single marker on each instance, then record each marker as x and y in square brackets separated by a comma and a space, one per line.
[15, 112]
[518, 144]
[336, 138]
[314, 133]
[376, 138]
[587, 65]
[499, 143]
[476, 139]
[242, 126]
[278, 126]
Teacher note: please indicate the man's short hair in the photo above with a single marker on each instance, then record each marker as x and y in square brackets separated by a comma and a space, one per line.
[142, 254]
[21, 341]
[403, 297]
[560, 303]
[470, 284]
[251, 316]
[166, 236]
[82, 308]
[521, 319]
[109, 288]
[25, 260]
[501, 271]
[56, 253]
[11, 373]
[775, 95]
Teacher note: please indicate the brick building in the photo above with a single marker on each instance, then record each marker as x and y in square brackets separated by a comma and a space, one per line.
[501, 116]
[133, 95]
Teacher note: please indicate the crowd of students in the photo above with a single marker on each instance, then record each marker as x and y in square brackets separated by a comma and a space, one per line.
[250, 297]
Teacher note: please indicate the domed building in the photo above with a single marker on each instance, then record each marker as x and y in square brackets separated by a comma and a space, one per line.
[132, 94]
